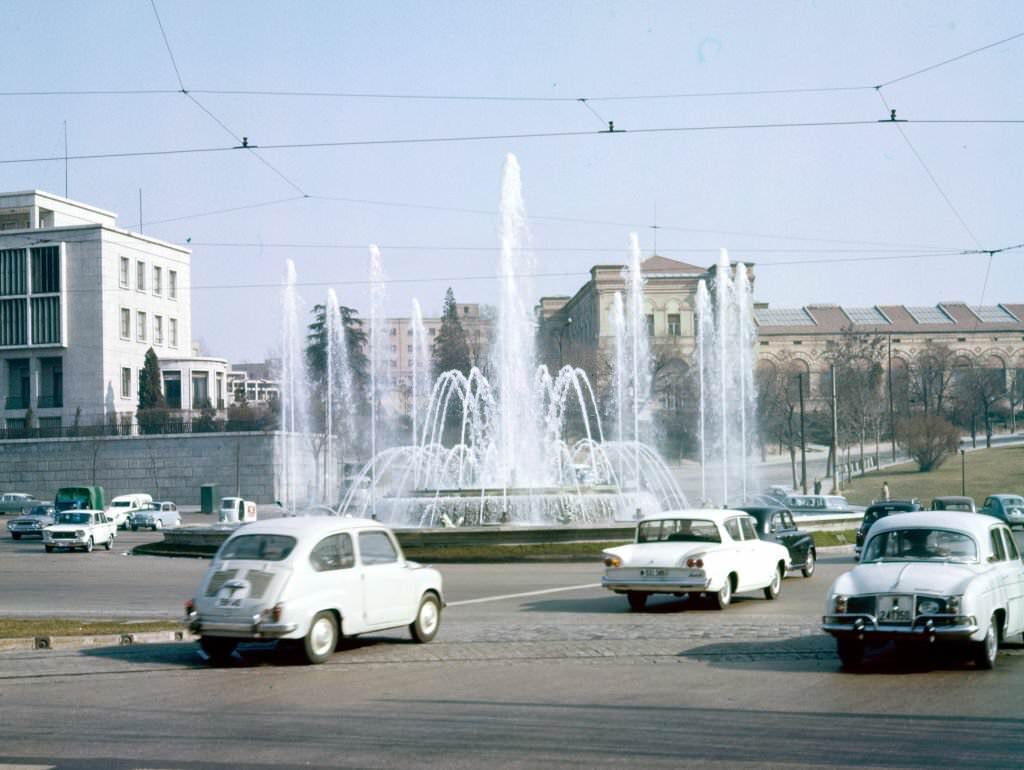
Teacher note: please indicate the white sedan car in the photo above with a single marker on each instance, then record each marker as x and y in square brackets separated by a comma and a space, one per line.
[712, 552]
[308, 581]
[931, 576]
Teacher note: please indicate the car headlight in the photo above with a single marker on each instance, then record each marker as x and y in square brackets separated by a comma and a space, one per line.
[929, 606]
[612, 561]
[954, 604]
[839, 604]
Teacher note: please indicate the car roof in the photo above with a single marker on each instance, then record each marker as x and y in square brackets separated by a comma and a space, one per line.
[761, 510]
[1003, 495]
[954, 499]
[718, 515]
[902, 506]
[303, 525]
[975, 523]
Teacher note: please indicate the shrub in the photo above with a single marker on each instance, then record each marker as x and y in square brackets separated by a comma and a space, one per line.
[928, 439]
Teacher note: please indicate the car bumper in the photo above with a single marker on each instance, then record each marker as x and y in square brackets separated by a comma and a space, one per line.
[867, 627]
[239, 629]
[655, 584]
[67, 542]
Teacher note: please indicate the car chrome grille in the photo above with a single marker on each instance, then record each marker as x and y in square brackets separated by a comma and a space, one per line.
[861, 605]
[259, 581]
[219, 578]
[62, 535]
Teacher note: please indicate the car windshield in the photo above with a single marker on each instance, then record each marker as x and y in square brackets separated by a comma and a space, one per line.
[39, 510]
[678, 530]
[258, 547]
[121, 503]
[73, 518]
[921, 544]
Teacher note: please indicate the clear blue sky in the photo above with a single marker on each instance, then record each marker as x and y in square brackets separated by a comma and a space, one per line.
[792, 195]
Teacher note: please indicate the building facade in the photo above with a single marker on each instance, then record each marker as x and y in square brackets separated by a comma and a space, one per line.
[81, 301]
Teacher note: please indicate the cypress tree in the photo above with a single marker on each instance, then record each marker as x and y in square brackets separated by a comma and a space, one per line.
[451, 348]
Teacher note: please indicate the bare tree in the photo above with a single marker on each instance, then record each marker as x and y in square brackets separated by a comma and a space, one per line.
[980, 389]
[931, 377]
[857, 357]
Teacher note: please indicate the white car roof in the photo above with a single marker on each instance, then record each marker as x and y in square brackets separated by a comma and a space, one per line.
[131, 496]
[311, 526]
[976, 524]
[717, 515]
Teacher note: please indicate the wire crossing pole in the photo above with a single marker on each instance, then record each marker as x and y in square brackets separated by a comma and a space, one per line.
[803, 441]
[835, 434]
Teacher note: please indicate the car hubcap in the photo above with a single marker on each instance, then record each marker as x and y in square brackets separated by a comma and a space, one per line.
[775, 582]
[321, 637]
[991, 642]
[428, 617]
[725, 592]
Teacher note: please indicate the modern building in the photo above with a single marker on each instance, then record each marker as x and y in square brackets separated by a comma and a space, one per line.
[257, 381]
[81, 301]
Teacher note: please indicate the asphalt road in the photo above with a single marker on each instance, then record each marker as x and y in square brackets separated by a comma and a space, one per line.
[534, 667]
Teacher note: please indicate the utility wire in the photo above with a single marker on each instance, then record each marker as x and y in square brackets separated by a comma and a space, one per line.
[167, 43]
[949, 61]
[594, 112]
[215, 212]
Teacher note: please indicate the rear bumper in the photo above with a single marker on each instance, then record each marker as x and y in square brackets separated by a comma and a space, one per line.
[239, 630]
[656, 585]
[866, 627]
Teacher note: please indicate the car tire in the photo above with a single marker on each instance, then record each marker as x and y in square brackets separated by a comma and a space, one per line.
[89, 546]
[637, 600]
[723, 598]
[808, 569]
[987, 649]
[135, 527]
[773, 589]
[110, 542]
[850, 652]
[49, 548]
[16, 535]
[158, 524]
[218, 649]
[428, 619]
[321, 639]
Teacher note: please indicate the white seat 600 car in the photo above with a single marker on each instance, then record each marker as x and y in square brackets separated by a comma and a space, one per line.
[308, 581]
[712, 552]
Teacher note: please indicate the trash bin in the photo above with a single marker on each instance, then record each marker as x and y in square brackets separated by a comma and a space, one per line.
[208, 498]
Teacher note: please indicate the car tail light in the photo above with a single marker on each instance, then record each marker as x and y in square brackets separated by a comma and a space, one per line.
[698, 563]
[190, 606]
[612, 561]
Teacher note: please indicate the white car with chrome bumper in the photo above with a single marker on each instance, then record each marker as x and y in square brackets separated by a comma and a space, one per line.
[702, 552]
[930, 576]
[309, 581]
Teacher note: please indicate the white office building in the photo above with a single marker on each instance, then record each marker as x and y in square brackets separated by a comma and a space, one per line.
[81, 301]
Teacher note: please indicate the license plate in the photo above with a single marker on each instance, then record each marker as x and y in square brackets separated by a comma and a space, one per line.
[653, 572]
[895, 609]
[228, 602]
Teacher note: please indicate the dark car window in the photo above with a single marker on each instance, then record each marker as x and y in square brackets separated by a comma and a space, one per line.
[1010, 544]
[997, 545]
[787, 519]
[376, 548]
[747, 526]
[673, 530]
[258, 547]
[920, 544]
[732, 526]
[332, 553]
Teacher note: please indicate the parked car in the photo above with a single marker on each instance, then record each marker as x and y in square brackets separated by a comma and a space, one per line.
[234, 509]
[1009, 508]
[33, 522]
[775, 524]
[878, 510]
[89, 498]
[700, 552]
[308, 581]
[817, 505]
[123, 508]
[930, 576]
[16, 503]
[80, 529]
[156, 516]
[954, 503]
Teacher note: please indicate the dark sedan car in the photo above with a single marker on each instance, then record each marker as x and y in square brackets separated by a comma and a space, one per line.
[878, 510]
[775, 523]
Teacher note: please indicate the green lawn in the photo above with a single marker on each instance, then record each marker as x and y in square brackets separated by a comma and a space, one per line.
[21, 628]
[987, 471]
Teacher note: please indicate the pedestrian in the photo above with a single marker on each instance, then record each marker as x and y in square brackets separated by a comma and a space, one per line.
[885, 491]
[817, 486]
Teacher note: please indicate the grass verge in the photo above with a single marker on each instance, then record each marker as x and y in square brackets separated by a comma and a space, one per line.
[830, 538]
[24, 628]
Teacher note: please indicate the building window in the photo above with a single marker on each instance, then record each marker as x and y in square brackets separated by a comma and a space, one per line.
[126, 382]
[158, 329]
[140, 326]
[49, 427]
[408, 348]
[18, 384]
[200, 390]
[394, 348]
[172, 332]
[140, 276]
[126, 323]
[122, 278]
[158, 281]
[650, 325]
[172, 284]
[433, 332]
[172, 389]
[46, 270]
[674, 326]
[51, 383]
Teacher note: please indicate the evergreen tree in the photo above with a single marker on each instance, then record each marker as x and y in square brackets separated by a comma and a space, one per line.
[316, 358]
[451, 348]
[152, 413]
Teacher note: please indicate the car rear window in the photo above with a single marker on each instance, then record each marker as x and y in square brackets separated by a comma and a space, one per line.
[672, 530]
[258, 547]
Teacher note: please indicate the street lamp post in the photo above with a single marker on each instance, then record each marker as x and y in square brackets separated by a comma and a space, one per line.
[561, 333]
[963, 473]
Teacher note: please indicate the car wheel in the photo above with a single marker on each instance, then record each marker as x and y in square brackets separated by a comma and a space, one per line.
[89, 546]
[158, 524]
[637, 600]
[135, 527]
[16, 535]
[722, 599]
[110, 542]
[217, 648]
[987, 649]
[808, 569]
[319, 643]
[850, 652]
[773, 589]
[49, 548]
[428, 619]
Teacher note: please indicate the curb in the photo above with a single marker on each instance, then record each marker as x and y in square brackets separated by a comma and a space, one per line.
[59, 643]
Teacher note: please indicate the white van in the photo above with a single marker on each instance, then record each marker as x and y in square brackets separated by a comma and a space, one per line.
[123, 507]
